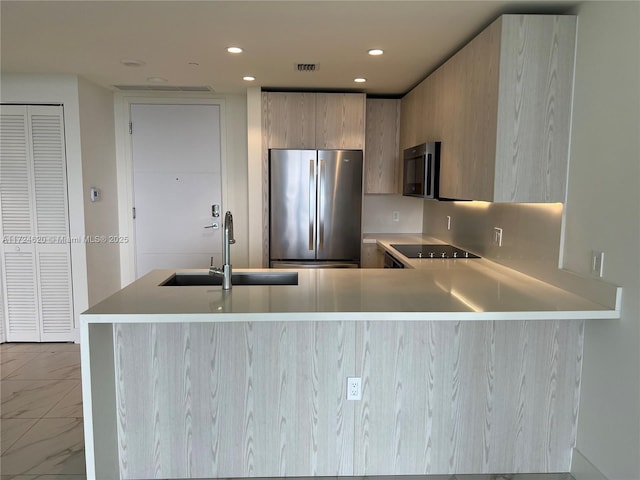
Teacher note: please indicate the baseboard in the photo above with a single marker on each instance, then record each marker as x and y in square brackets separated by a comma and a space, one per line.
[583, 469]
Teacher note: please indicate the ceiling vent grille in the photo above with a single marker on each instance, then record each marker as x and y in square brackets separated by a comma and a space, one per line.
[307, 67]
[163, 88]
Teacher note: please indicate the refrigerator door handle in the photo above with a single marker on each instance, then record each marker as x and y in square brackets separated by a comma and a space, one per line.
[320, 201]
[312, 203]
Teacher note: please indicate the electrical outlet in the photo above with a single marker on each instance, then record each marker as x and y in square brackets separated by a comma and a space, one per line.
[448, 222]
[497, 236]
[597, 263]
[395, 216]
[354, 388]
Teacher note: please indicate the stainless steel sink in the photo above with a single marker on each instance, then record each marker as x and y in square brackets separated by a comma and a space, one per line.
[237, 278]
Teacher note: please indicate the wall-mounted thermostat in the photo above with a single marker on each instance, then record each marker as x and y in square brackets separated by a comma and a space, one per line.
[94, 194]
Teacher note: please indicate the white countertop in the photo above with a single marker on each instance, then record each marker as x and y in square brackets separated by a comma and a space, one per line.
[435, 289]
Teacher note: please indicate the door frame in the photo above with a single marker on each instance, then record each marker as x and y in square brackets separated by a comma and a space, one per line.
[124, 164]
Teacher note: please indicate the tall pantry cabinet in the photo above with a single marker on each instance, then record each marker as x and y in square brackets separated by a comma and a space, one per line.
[37, 301]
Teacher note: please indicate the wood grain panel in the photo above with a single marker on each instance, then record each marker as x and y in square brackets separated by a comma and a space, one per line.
[234, 400]
[536, 82]
[468, 105]
[467, 397]
[290, 120]
[340, 121]
[382, 162]
[502, 111]
[408, 130]
[265, 180]
[372, 256]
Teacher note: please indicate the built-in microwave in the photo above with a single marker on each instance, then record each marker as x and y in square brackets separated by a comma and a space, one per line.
[421, 170]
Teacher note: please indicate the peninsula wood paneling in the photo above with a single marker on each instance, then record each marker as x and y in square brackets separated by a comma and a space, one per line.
[382, 162]
[234, 400]
[268, 399]
[467, 397]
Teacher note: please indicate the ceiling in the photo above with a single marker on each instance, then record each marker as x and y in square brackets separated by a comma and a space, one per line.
[185, 42]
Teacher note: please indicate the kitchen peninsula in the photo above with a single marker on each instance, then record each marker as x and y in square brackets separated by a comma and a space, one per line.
[466, 366]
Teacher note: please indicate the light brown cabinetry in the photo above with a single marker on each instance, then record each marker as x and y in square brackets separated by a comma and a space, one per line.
[307, 120]
[381, 155]
[289, 120]
[501, 108]
[313, 120]
[372, 256]
[340, 120]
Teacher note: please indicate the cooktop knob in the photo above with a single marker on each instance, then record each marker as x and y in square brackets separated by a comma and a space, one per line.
[443, 255]
[431, 255]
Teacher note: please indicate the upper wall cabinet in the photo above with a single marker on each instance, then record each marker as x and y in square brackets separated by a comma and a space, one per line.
[289, 120]
[382, 146]
[313, 120]
[501, 108]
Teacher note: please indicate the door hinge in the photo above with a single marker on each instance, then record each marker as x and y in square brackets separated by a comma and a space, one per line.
[130, 128]
[134, 212]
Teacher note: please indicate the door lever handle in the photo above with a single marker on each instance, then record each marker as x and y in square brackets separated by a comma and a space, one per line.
[214, 225]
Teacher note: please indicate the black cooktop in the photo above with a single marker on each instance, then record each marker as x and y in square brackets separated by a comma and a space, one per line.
[433, 251]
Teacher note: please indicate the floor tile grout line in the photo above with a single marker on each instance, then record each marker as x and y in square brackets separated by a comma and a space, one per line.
[37, 354]
[20, 436]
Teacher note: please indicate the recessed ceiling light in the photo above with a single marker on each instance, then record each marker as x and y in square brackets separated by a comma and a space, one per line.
[359, 80]
[127, 62]
[234, 50]
[248, 78]
[157, 80]
[375, 51]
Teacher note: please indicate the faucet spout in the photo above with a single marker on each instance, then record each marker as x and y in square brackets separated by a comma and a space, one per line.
[228, 239]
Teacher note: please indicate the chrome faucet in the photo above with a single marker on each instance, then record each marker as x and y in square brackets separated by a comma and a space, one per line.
[225, 271]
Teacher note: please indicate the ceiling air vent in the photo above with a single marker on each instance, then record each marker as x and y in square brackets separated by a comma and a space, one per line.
[307, 67]
[163, 88]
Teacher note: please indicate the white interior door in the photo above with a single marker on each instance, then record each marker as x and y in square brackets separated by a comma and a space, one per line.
[176, 180]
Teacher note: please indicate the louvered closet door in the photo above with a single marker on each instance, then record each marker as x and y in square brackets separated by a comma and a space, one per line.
[36, 258]
[2, 315]
[18, 260]
[51, 223]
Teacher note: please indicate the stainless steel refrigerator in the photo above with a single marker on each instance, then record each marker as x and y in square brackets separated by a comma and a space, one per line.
[315, 208]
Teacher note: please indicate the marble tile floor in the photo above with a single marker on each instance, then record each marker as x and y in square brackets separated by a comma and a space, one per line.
[41, 434]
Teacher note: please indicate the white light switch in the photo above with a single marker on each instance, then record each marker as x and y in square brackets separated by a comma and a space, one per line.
[497, 236]
[597, 263]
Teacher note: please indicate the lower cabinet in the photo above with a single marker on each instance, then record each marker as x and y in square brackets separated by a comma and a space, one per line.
[372, 256]
[269, 398]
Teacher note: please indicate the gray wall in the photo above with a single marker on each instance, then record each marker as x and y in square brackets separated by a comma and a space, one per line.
[603, 213]
[97, 140]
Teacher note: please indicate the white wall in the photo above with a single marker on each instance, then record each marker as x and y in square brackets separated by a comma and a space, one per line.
[99, 170]
[603, 213]
[255, 180]
[60, 89]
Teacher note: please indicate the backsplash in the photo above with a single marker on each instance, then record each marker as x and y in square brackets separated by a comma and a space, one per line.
[530, 232]
[377, 214]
